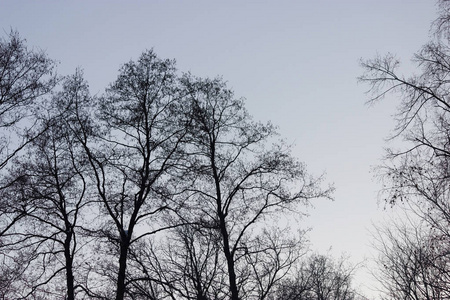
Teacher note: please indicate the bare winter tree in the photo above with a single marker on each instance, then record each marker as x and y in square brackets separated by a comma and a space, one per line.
[419, 174]
[186, 265]
[162, 188]
[232, 184]
[237, 182]
[26, 75]
[48, 186]
[131, 153]
[318, 277]
[412, 264]
[421, 171]
[195, 267]
[272, 257]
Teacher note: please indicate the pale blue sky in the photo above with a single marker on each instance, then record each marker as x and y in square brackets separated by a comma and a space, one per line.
[296, 62]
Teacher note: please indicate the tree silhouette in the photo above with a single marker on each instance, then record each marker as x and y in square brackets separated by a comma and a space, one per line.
[131, 153]
[48, 184]
[163, 187]
[419, 174]
[26, 76]
[238, 183]
[318, 277]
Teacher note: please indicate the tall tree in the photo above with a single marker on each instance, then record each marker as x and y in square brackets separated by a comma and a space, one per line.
[26, 75]
[131, 153]
[156, 158]
[237, 182]
[419, 173]
[48, 185]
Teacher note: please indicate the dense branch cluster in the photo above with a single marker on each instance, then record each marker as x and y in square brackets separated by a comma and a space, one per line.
[161, 188]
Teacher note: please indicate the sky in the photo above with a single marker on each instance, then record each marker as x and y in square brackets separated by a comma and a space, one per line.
[295, 62]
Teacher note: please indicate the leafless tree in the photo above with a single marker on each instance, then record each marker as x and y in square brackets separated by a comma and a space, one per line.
[271, 258]
[421, 171]
[318, 277]
[163, 187]
[131, 152]
[26, 75]
[186, 265]
[418, 175]
[193, 256]
[48, 186]
[412, 264]
[238, 183]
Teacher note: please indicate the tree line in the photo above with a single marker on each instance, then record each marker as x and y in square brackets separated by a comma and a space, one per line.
[163, 187]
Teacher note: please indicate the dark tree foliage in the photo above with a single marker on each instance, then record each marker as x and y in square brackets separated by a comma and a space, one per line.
[418, 175]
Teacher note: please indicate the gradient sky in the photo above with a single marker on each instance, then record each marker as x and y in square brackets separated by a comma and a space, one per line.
[296, 63]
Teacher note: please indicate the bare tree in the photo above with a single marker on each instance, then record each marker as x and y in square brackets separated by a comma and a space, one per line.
[319, 277]
[419, 174]
[25, 76]
[186, 265]
[237, 182]
[272, 257]
[131, 153]
[411, 262]
[194, 260]
[163, 187]
[421, 171]
[48, 186]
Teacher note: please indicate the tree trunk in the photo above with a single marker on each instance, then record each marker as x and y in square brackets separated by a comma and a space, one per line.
[120, 293]
[223, 229]
[69, 269]
[230, 262]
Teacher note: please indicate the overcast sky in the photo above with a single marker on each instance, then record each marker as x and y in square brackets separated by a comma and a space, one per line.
[296, 63]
